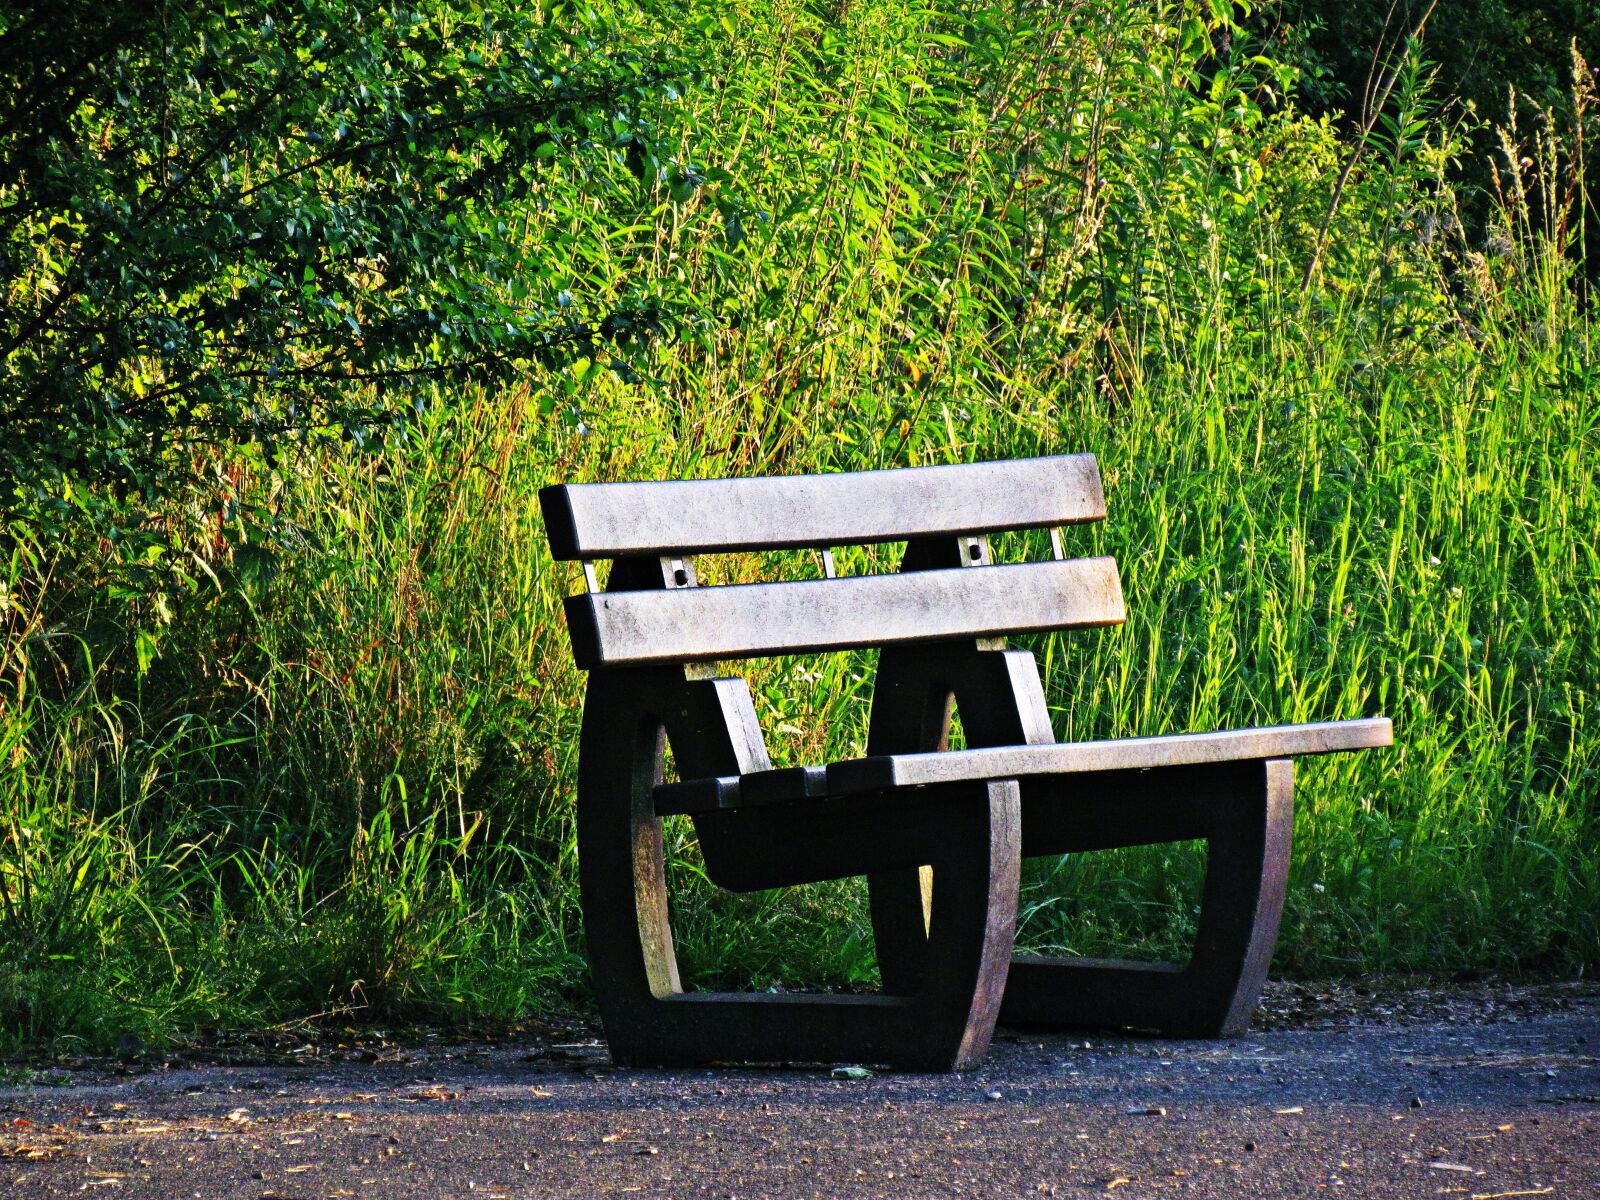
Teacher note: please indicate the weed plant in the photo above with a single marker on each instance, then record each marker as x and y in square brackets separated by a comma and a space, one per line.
[321, 758]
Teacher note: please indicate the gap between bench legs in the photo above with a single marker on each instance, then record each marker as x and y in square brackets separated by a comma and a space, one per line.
[1248, 839]
[973, 833]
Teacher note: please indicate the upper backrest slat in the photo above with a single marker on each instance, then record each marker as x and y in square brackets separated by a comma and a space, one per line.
[704, 516]
[754, 620]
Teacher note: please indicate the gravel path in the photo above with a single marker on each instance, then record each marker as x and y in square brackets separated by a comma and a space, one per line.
[1487, 1092]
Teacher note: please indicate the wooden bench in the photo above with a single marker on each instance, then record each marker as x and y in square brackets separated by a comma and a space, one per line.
[939, 834]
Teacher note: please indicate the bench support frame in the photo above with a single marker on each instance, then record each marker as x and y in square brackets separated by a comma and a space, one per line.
[1243, 811]
[1245, 814]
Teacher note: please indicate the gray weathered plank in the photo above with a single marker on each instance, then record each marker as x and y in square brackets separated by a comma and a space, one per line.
[1021, 762]
[757, 619]
[608, 520]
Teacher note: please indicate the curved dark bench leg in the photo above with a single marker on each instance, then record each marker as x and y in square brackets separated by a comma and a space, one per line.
[972, 832]
[1243, 811]
[1247, 834]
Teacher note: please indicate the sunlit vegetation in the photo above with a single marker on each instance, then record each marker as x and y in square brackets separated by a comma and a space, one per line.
[292, 730]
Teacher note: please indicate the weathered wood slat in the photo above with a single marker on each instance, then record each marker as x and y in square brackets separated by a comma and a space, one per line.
[699, 624]
[1021, 762]
[609, 520]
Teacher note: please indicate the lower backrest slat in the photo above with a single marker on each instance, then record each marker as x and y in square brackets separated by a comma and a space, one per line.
[762, 619]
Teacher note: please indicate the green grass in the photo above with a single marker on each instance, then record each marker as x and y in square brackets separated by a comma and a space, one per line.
[326, 764]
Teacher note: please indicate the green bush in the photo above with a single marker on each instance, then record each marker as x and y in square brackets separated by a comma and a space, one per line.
[271, 222]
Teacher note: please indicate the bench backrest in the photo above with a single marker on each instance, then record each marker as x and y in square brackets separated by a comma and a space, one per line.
[661, 615]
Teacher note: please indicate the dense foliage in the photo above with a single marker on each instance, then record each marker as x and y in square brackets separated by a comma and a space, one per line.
[1492, 63]
[1482, 48]
[301, 738]
[269, 221]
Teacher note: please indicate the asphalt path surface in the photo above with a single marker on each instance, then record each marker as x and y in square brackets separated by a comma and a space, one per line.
[1382, 1102]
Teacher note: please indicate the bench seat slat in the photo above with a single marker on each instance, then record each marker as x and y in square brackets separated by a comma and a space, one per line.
[705, 516]
[855, 776]
[754, 620]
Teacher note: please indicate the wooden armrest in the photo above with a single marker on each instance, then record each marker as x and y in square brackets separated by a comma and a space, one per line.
[1123, 754]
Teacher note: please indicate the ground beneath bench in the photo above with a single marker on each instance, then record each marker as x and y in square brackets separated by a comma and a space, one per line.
[1484, 1091]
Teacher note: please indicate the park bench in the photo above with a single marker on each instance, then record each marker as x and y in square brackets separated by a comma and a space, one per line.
[938, 833]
